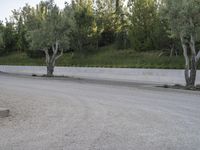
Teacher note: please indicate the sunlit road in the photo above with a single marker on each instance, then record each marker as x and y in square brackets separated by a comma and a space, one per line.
[51, 114]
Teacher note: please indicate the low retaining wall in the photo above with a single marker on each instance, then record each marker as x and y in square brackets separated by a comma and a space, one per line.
[168, 76]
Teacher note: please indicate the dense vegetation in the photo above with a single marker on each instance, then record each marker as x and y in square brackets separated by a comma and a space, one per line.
[135, 25]
[107, 57]
[115, 33]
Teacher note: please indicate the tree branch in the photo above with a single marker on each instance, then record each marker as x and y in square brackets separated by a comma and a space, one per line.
[55, 47]
[187, 62]
[47, 55]
[58, 56]
[192, 44]
[185, 51]
[61, 53]
[197, 57]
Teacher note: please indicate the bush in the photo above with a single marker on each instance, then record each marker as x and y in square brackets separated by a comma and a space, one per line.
[2, 51]
[107, 38]
[35, 53]
[122, 41]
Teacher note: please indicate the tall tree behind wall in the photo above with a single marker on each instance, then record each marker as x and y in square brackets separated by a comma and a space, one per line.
[146, 26]
[108, 18]
[122, 23]
[83, 37]
[9, 37]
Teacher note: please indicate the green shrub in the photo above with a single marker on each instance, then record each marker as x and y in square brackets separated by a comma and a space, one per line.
[2, 51]
[35, 54]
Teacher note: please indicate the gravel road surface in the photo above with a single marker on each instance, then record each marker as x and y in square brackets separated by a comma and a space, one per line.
[52, 114]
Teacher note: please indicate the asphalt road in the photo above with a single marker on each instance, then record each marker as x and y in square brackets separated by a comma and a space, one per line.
[52, 114]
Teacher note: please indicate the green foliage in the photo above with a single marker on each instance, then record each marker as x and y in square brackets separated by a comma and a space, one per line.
[9, 37]
[183, 16]
[1, 35]
[35, 54]
[84, 36]
[1, 39]
[122, 40]
[20, 58]
[106, 57]
[86, 25]
[147, 31]
[52, 26]
[110, 20]
[20, 29]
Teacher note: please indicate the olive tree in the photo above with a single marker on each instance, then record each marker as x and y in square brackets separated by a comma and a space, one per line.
[50, 32]
[183, 17]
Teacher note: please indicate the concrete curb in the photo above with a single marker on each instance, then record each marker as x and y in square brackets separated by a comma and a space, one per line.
[164, 76]
[144, 85]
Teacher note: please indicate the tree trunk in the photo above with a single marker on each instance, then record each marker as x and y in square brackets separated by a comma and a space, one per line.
[190, 71]
[50, 70]
[193, 72]
[187, 61]
[190, 74]
[51, 60]
[193, 69]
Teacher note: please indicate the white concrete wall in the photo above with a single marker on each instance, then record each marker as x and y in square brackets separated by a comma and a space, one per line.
[168, 76]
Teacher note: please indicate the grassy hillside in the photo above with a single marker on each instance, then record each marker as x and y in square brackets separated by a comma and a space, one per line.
[103, 58]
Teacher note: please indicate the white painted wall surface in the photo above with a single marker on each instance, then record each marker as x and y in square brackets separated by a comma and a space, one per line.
[168, 76]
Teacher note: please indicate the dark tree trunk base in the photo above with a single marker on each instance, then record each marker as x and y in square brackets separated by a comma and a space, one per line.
[190, 77]
[182, 87]
[50, 70]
